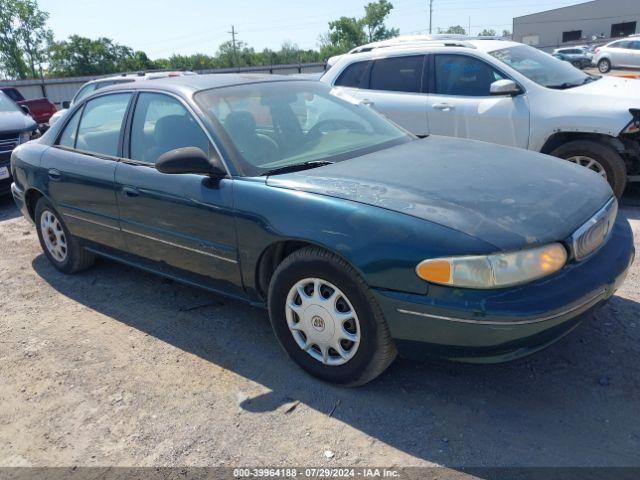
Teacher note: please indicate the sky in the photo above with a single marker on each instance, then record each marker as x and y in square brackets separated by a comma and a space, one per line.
[162, 28]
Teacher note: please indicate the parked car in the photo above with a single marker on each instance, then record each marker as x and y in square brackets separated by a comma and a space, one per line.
[93, 85]
[357, 236]
[618, 54]
[41, 109]
[502, 92]
[16, 127]
[577, 51]
[578, 61]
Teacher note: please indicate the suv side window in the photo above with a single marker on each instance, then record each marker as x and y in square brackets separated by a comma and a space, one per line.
[353, 75]
[463, 75]
[397, 74]
[160, 124]
[101, 123]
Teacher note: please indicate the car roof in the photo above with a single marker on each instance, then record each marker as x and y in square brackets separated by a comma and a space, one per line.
[190, 84]
[139, 76]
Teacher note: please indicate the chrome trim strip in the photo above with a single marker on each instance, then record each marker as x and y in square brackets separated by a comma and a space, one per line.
[95, 222]
[230, 260]
[506, 323]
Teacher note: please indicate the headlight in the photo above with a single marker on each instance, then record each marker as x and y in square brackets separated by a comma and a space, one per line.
[24, 137]
[494, 271]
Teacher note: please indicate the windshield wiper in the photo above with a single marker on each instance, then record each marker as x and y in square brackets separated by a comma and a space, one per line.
[296, 167]
[565, 85]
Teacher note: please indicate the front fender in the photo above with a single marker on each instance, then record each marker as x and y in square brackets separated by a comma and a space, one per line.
[382, 245]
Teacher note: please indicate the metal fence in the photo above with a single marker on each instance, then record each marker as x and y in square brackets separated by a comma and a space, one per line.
[58, 90]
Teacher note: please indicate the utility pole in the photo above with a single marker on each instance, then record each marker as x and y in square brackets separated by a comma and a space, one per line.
[430, 15]
[233, 42]
[469, 31]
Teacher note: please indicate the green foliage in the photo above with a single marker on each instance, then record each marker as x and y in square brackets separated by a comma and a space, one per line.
[456, 29]
[506, 33]
[24, 38]
[349, 32]
[487, 33]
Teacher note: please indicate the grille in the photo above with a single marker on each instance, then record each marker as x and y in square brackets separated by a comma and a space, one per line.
[590, 236]
[8, 143]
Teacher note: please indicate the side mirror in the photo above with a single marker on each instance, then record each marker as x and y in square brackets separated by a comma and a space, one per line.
[505, 87]
[66, 104]
[25, 109]
[189, 160]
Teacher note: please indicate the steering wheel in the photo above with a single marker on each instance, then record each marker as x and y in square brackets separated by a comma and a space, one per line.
[325, 126]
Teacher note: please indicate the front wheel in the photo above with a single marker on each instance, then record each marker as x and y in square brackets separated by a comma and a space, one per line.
[604, 65]
[327, 320]
[599, 157]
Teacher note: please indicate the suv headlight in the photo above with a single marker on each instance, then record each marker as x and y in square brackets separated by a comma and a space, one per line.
[494, 271]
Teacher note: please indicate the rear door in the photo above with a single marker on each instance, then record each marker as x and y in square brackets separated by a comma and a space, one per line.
[182, 221]
[634, 54]
[81, 168]
[460, 103]
[394, 87]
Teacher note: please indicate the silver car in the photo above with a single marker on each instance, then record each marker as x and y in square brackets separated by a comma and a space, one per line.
[621, 53]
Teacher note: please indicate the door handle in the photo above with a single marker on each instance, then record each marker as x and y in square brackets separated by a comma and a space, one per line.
[130, 191]
[445, 107]
[55, 174]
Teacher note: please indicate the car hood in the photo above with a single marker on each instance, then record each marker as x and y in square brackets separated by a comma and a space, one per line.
[15, 122]
[626, 90]
[508, 197]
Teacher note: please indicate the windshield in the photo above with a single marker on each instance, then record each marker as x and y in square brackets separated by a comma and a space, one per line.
[275, 125]
[540, 67]
[8, 105]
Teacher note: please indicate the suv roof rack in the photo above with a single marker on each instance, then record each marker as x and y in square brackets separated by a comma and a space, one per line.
[444, 40]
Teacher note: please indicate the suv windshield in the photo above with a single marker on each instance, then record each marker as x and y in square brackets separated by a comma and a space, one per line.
[7, 105]
[541, 67]
[276, 126]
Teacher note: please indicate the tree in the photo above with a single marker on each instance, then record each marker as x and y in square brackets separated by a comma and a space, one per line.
[506, 33]
[346, 33]
[457, 30]
[24, 38]
[373, 21]
[487, 33]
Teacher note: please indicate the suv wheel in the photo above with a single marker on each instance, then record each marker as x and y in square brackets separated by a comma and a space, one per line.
[63, 250]
[604, 65]
[327, 320]
[600, 158]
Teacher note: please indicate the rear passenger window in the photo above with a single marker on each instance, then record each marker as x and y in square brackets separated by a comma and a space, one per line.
[101, 122]
[352, 75]
[464, 76]
[160, 124]
[399, 74]
[68, 137]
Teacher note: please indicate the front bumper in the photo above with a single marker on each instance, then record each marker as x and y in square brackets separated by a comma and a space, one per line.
[5, 183]
[499, 325]
[18, 198]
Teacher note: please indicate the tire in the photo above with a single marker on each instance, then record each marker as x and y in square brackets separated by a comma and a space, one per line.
[603, 154]
[70, 259]
[375, 350]
[604, 65]
[577, 64]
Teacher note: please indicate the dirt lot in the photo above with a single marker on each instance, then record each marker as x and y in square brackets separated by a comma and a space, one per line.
[118, 367]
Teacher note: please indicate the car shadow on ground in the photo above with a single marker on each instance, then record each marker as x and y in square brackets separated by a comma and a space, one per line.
[8, 209]
[574, 404]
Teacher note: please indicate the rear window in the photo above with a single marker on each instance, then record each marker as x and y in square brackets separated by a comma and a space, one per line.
[353, 75]
[398, 74]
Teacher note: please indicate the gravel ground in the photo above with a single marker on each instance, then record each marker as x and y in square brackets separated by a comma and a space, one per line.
[117, 367]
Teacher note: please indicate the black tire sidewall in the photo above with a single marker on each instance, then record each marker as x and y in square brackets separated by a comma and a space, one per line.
[283, 281]
[65, 266]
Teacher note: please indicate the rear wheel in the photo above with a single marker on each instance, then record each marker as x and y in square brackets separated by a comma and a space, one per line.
[599, 157]
[327, 320]
[604, 65]
[63, 250]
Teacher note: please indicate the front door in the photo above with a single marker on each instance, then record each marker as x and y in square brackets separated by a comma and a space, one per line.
[460, 103]
[180, 221]
[81, 168]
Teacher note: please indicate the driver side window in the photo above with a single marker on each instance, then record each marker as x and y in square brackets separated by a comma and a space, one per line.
[464, 76]
[160, 124]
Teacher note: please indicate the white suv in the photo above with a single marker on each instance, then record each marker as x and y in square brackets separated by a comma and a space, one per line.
[621, 53]
[501, 92]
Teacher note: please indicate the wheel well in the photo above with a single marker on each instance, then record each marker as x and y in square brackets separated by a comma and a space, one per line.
[271, 258]
[560, 138]
[31, 197]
